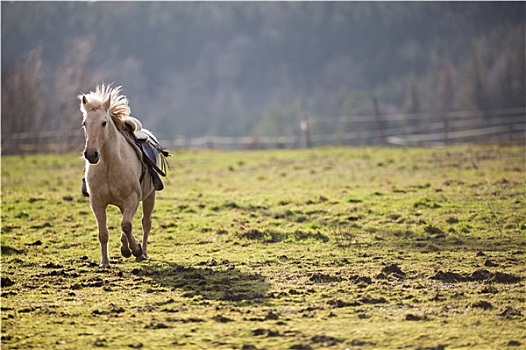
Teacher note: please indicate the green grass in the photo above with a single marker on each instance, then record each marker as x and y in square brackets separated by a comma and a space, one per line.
[324, 248]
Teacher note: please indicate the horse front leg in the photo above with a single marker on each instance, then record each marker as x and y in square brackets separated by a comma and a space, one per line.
[99, 210]
[147, 209]
[126, 224]
[125, 246]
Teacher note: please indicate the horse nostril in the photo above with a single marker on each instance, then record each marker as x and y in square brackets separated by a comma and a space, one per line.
[96, 155]
[85, 154]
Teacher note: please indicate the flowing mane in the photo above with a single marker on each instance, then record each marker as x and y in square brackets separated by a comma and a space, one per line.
[105, 95]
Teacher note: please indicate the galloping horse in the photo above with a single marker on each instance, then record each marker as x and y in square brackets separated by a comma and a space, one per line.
[116, 170]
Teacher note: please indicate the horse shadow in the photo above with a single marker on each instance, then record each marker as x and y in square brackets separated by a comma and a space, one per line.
[229, 284]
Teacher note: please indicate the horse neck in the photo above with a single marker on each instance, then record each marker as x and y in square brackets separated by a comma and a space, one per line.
[113, 148]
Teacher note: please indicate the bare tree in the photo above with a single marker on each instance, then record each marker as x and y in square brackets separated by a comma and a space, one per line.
[23, 102]
[73, 77]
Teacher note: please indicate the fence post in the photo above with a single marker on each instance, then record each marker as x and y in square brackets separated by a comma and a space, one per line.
[378, 120]
[305, 127]
[446, 131]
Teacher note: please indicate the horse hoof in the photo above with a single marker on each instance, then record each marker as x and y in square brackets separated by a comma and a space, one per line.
[137, 253]
[126, 252]
[104, 265]
[141, 258]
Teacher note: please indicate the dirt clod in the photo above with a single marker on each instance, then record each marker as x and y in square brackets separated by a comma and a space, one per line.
[338, 303]
[510, 312]
[248, 347]
[490, 263]
[503, 277]
[485, 305]
[394, 269]
[6, 282]
[324, 278]
[480, 275]
[514, 343]
[271, 316]
[157, 325]
[301, 347]
[326, 340]
[413, 317]
[222, 319]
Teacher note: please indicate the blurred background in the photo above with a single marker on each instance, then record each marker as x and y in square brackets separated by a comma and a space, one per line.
[268, 74]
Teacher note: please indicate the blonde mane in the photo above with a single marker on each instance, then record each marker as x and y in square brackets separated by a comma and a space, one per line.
[105, 95]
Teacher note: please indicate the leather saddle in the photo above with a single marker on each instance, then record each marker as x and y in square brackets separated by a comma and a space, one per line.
[153, 154]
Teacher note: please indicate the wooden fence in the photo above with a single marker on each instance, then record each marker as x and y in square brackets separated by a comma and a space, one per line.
[424, 129]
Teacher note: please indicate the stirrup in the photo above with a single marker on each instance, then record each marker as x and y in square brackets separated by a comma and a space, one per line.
[157, 182]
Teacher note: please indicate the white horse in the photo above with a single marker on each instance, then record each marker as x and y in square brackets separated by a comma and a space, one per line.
[115, 172]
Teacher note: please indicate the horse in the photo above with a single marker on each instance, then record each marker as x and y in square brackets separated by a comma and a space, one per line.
[116, 173]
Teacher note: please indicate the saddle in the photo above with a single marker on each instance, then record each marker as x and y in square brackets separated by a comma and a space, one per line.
[153, 154]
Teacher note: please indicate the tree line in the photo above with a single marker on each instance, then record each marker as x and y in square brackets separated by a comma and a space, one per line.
[233, 69]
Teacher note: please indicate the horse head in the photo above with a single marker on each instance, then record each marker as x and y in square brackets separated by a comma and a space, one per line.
[96, 124]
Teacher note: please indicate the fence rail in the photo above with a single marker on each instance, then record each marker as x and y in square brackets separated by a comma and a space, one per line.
[394, 129]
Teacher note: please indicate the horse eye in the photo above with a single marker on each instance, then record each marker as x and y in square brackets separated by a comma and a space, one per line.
[103, 124]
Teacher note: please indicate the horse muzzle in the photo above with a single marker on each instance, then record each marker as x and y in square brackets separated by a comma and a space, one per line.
[92, 157]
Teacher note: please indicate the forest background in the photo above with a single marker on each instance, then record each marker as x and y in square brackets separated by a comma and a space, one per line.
[256, 68]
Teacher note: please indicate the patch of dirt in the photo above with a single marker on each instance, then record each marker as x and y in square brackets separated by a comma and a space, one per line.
[248, 347]
[41, 226]
[51, 265]
[489, 290]
[325, 340]
[413, 317]
[485, 305]
[265, 332]
[113, 310]
[394, 269]
[510, 312]
[361, 343]
[157, 325]
[222, 319]
[7, 250]
[490, 263]
[503, 277]
[211, 283]
[338, 303]
[6, 282]
[435, 231]
[477, 275]
[301, 347]
[514, 343]
[324, 278]
[271, 316]
[361, 280]
[438, 347]
[372, 300]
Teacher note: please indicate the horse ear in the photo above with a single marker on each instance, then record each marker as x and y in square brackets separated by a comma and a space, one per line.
[107, 103]
[84, 100]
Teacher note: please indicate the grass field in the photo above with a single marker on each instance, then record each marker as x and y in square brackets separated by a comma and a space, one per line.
[358, 248]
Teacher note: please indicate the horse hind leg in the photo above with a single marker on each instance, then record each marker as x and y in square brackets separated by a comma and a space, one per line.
[147, 209]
